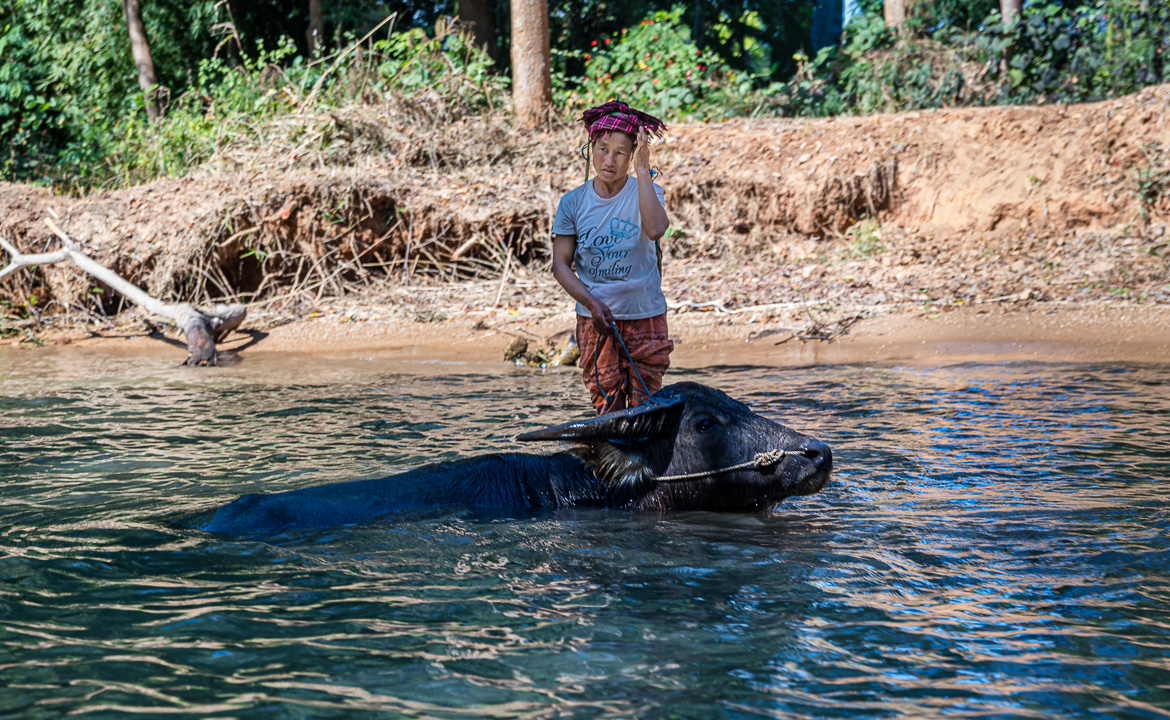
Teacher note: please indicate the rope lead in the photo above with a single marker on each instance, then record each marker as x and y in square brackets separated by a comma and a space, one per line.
[597, 372]
[761, 460]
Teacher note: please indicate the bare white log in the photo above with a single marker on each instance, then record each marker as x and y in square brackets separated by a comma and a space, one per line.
[18, 260]
[202, 329]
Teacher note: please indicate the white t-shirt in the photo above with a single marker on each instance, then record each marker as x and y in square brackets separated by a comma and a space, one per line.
[614, 258]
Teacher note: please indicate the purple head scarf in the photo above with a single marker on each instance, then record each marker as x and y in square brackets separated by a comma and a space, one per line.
[616, 116]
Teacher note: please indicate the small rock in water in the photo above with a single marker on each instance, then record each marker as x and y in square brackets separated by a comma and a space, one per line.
[563, 349]
[553, 351]
[516, 349]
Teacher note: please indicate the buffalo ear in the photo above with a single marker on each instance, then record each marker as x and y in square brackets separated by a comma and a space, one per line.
[628, 448]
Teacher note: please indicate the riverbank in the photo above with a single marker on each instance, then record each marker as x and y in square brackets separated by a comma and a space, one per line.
[976, 232]
[999, 332]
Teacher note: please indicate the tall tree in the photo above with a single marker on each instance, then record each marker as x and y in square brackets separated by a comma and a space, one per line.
[699, 26]
[1010, 9]
[315, 35]
[894, 12]
[478, 17]
[147, 79]
[531, 71]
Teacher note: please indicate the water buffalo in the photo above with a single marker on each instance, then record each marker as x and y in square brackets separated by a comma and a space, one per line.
[614, 460]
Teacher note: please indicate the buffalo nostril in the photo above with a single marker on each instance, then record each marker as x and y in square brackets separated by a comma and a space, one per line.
[819, 453]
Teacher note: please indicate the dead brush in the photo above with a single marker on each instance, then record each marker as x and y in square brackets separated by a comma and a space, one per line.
[847, 195]
[1152, 179]
[414, 131]
[342, 239]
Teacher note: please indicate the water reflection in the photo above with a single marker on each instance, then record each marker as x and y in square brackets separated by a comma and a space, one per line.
[994, 543]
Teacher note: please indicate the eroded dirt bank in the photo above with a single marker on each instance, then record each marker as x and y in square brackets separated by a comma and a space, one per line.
[777, 224]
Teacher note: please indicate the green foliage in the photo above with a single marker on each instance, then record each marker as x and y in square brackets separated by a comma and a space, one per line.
[961, 15]
[228, 102]
[411, 62]
[654, 66]
[71, 112]
[879, 70]
[25, 114]
[222, 101]
[1096, 50]
[68, 69]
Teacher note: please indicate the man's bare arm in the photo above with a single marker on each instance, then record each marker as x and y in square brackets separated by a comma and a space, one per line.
[564, 247]
[654, 220]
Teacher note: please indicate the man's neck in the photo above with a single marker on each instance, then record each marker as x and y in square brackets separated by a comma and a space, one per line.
[608, 190]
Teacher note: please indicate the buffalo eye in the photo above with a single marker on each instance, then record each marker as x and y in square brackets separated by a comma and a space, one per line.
[705, 424]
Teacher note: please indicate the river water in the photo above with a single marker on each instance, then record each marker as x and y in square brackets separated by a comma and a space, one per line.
[994, 543]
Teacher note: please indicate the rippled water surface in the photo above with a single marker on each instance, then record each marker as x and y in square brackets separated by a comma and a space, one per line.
[993, 544]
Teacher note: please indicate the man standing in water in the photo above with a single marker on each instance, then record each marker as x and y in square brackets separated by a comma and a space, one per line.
[606, 255]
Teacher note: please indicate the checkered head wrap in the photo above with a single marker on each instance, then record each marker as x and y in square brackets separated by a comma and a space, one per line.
[616, 116]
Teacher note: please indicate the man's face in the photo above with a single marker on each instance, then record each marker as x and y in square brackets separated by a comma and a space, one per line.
[611, 156]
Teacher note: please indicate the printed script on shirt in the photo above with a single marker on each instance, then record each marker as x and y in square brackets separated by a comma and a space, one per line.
[607, 253]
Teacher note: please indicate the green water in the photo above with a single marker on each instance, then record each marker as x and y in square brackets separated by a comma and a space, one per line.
[994, 543]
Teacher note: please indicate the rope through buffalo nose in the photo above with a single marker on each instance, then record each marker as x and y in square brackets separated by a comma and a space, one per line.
[761, 460]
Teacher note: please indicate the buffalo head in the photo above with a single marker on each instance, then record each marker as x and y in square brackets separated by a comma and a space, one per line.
[690, 428]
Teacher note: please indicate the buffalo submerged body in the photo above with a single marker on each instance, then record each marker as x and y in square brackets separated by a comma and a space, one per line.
[685, 449]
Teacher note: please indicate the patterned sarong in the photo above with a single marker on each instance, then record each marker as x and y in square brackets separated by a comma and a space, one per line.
[649, 345]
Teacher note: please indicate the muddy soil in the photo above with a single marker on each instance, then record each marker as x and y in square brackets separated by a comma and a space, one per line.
[778, 226]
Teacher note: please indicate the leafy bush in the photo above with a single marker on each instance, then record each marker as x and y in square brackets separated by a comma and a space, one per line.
[448, 63]
[1098, 50]
[229, 104]
[25, 115]
[654, 66]
[67, 66]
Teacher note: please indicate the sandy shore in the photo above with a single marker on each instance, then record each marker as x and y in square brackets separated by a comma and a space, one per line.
[1044, 332]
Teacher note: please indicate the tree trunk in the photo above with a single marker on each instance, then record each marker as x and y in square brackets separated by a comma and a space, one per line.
[147, 79]
[698, 26]
[315, 35]
[1010, 9]
[894, 12]
[531, 74]
[477, 17]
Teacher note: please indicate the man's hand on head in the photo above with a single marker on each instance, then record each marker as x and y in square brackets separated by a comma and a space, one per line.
[642, 153]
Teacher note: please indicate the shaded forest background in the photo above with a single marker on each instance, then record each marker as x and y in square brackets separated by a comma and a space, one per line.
[72, 114]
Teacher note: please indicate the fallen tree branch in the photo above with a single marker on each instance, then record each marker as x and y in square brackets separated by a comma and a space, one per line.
[18, 260]
[202, 329]
[720, 307]
[821, 331]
